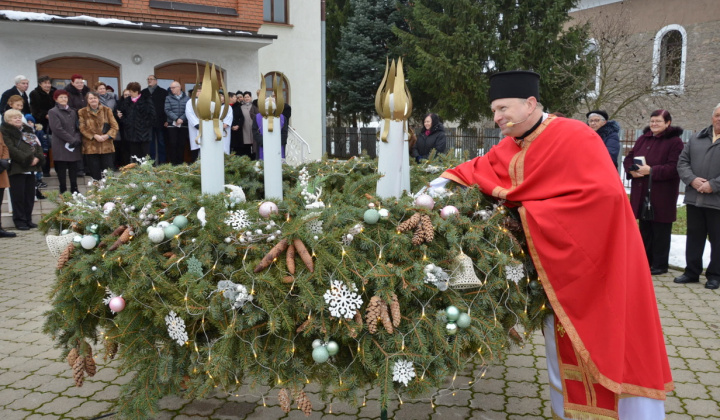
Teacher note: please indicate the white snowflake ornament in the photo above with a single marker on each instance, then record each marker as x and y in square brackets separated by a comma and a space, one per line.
[176, 328]
[514, 272]
[403, 371]
[238, 219]
[343, 302]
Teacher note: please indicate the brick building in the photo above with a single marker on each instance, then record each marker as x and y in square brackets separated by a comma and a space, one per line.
[676, 48]
[121, 41]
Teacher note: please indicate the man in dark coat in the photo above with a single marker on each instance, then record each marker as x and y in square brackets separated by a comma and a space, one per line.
[699, 169]
[608, 130]
[157, 96]
[20, 88]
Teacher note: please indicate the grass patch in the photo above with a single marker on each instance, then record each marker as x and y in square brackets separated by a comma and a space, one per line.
[680, 225]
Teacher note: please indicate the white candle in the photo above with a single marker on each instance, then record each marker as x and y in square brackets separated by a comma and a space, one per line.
[391, 158]
[272, 155]
[212, 160]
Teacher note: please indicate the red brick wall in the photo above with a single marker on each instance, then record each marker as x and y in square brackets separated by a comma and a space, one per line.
[250, 12]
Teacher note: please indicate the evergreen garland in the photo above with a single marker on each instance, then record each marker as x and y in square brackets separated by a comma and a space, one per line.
[267, 337]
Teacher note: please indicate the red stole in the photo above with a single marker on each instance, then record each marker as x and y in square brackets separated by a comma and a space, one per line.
[587, 248]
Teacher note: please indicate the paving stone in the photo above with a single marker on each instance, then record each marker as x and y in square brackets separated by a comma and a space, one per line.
[110, 392]
[702, 408]
[201, 407]
[419, 411]
[687, 390]
[9, 414]
[487, 415]
[9, 395]
[234, 410]
[10, 377]
[674, 405]
[32, 400]
[532, 406]
[90, 409]
[489, 386]
[172, 402]
[522, 389]
[56, 385]
[444, 413]
[703, 365]
[453, 399]
[60, 405]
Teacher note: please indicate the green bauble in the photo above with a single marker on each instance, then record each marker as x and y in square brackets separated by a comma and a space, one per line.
[453, 313]
[451, 328]
[320, 354]
[535, 285]
[93, 228]
[180, 221]
[97, 237]
[171, 231]
[371, 216]
[464, 320]
[332, 348]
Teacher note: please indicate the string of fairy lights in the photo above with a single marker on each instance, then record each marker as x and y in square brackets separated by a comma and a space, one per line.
[196, 309]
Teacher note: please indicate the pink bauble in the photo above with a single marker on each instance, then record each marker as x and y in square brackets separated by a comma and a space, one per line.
[117, 304]
[424, 200]
[268, 208]
[109, 206]
[448, 211]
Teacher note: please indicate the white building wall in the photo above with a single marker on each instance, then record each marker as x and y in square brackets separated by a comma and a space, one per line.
[296, 53]
[24, 44]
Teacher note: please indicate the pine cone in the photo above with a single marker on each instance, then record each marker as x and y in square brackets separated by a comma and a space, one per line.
[515, 336]
[395, 310]
[65, 256]
[372, 313]
[512, 224]
[111, 348]
[417, 238]
[385, 317]
[409, 223]
[120, 229]
[79, 371]
[72, 356]
[358, 318]
[284, 400]
[90, 366]
[304, 403]
[303, 326]
[428, 232]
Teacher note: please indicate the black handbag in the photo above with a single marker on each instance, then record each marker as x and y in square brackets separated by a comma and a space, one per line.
[4, 165]
[647, 212]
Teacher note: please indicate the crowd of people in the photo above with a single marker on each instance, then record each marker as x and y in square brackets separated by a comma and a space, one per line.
[90, 130]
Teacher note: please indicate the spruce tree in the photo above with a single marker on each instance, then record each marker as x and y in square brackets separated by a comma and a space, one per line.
[338, 287]
[453, 46]
[365, 43]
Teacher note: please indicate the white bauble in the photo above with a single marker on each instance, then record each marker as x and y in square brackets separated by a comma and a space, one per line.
[163, 224]
[88, 242]
[156, 234]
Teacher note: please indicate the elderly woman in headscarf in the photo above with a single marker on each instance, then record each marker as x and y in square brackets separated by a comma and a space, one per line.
[26, 156]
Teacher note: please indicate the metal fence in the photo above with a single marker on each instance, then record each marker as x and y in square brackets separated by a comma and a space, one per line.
[346, 142]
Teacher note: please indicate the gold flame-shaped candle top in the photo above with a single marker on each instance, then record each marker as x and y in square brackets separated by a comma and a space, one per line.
[393, 83]
[268, 110]
[208, 106]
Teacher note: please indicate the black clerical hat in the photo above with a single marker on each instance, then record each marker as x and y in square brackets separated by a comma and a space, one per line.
[514, 84]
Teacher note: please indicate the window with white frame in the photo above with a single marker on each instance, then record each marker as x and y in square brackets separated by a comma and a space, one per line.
[669, 58]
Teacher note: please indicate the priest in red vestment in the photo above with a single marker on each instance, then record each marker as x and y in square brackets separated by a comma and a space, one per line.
[606, 353]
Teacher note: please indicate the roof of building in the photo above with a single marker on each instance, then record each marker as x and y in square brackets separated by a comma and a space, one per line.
[84, 20]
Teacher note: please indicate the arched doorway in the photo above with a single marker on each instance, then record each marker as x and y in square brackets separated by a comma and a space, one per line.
[184, 72]
[270, 77]
[93, 70]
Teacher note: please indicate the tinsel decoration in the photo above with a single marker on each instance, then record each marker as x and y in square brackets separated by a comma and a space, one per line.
[284, 400]
[72, 356]
[303, 403]
[65, 256]
[79, 371]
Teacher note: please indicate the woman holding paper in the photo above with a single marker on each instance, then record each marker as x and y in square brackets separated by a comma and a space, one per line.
[98, 128]
[66, 140]
[652, 166]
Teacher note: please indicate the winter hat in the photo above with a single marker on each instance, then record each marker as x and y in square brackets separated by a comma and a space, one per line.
[30, 118]
[598, 112]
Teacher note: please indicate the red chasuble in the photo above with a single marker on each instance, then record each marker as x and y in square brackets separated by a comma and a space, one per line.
[587, 249]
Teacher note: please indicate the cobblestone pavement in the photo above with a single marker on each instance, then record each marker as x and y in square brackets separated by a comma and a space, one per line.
[36, 384]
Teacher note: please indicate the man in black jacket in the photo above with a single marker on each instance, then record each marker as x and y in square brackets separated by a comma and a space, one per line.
[157, 96]
[20, 88]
